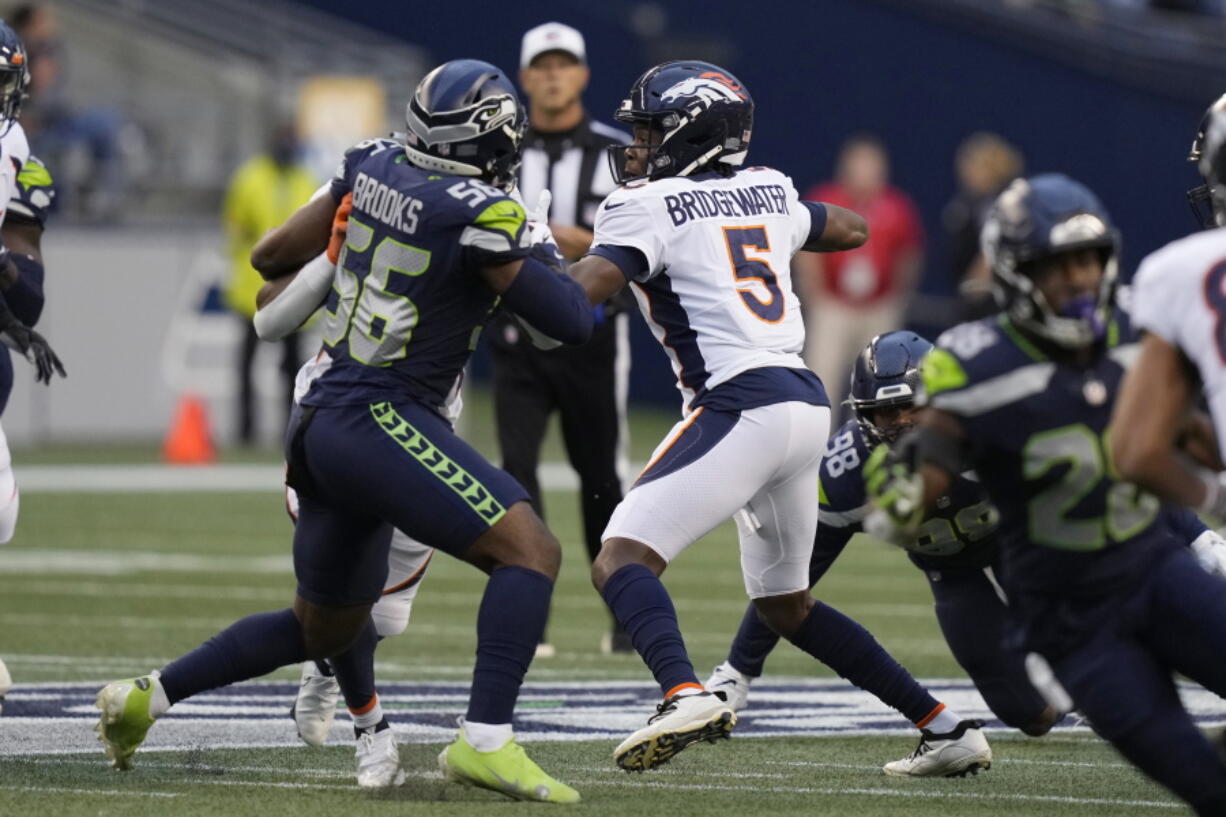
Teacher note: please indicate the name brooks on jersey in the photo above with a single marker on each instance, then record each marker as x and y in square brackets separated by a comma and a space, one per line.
[751, 200]
[392, 207]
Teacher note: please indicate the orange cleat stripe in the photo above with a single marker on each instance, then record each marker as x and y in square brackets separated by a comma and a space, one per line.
[680, 687]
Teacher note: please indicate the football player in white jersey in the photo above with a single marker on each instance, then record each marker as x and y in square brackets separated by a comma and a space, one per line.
[706, 247]
[1179, 300]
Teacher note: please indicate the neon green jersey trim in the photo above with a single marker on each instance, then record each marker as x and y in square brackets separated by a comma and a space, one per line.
[34, 174]
[427, 453]
[941, 371]
[505, 216]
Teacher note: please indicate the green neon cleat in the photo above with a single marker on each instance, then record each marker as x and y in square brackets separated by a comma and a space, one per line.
[125, 717]
[507, 771]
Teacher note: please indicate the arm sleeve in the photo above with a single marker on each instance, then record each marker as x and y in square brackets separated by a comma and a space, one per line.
[802, 217]
[26, 295]
[1185, 524]
[551, 301]
[626, 222]
[299, 300]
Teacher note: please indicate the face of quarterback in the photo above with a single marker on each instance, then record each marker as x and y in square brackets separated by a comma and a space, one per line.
[1067, 276]
[637, 151]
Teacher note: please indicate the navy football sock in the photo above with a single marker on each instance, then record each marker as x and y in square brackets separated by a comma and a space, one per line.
[355, 669]
[509, 626]
[639, 601]
[753, 644]
[248, 648]
[852, 652]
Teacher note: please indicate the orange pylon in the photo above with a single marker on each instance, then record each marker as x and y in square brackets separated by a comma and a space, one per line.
[188, 441]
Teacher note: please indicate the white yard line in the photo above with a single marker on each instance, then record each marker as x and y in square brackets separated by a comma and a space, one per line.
[116, 792]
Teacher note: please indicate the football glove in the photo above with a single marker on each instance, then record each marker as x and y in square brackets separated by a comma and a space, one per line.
[897, 492]
[35, 348]
[1210, 550]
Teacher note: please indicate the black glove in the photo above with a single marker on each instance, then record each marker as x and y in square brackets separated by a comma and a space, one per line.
[35, 348]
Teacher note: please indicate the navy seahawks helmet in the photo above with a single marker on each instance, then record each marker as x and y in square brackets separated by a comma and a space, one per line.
[14, 76]
[465, 119]
[702, 114]
[886, 375]
[1032, 220]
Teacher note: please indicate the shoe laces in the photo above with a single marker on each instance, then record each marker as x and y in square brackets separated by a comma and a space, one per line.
[923, 748]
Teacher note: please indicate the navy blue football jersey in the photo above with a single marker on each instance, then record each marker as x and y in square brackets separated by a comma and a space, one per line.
[407, 304]
[1037, 434]
[959, 533]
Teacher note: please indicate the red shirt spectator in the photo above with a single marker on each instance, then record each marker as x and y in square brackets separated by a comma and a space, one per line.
[872, 272]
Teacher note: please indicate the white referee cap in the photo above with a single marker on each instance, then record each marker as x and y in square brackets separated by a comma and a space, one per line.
[551, 37]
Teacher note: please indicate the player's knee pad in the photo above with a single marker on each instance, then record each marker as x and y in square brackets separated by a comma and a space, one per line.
[391, 614]
[8, 510]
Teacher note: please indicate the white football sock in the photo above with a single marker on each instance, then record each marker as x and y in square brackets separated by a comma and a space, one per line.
[487, 737]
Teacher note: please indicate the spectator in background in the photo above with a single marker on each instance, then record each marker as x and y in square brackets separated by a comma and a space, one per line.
[565, 153]
[853, 296]
[84, 145]
[985, 164]
[262, 194]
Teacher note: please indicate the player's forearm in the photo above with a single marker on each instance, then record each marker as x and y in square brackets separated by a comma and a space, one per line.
[551, 301]
[296, 302]
[303, 237]
[842, 230]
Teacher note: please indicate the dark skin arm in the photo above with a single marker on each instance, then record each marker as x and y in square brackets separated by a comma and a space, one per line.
[1150, 416]
[303, 236]
[844, 230]
[938, 481]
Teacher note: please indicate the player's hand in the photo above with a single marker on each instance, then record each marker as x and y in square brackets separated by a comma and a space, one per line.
[896, 491]
[1210, 550]
[36, 350]
[540, 213]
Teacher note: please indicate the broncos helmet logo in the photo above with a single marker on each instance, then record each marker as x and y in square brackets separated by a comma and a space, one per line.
[708, 90]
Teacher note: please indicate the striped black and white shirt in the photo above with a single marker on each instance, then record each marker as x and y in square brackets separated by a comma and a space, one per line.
[572, 165]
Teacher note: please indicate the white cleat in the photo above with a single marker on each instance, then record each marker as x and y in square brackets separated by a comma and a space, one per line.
[315, 707]
[378, 760]
[680, 721]
[733, 683]
[959, 753]
[6, 683]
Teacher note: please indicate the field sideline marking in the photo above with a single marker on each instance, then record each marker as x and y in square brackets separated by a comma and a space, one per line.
[623, 782]
[119, 792]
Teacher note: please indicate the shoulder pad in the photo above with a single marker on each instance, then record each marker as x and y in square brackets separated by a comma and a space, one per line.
[34, 196]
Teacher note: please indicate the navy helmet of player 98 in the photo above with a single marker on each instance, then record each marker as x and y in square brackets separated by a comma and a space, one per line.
[404, 314]
[958, 533]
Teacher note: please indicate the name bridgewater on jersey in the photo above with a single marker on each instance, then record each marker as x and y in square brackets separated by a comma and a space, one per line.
[753, 200]
[392, 207]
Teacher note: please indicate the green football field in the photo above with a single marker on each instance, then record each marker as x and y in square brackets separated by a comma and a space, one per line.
[106, 585]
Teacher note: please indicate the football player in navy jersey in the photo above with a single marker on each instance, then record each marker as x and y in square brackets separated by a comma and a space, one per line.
[433, 244]
[1098, 585]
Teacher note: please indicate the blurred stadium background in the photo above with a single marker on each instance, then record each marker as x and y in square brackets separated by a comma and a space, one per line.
[109, 575]
[1108, 91]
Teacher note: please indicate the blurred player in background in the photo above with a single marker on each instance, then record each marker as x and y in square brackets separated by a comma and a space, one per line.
[432, 244]
[1099, 588]
[1180, 297]
[262, 193]
[854, 296]
[564, 153]
[707, 247]
[26, 186]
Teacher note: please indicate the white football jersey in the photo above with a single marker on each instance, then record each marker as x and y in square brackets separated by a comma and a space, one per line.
[1179, 294]
[717, 292]
[14, 153]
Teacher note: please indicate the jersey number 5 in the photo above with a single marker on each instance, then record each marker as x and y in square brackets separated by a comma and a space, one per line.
[376, 321]
[747, 269]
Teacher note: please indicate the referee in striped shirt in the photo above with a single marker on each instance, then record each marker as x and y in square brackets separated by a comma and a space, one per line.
[564, 152]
